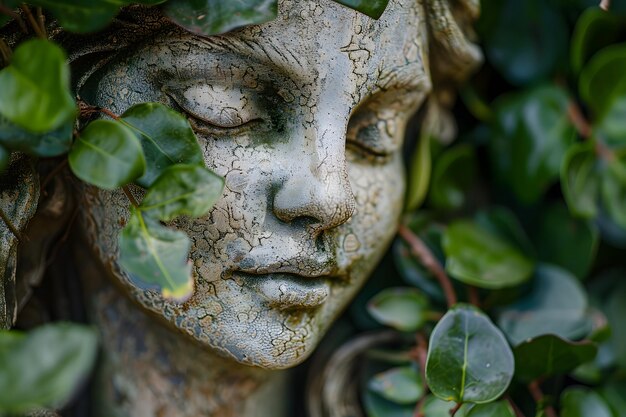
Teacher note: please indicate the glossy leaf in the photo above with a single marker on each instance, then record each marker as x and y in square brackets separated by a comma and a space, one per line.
[34, 89]
[155, 256]
[480, 258]
[436, 407]
[566, 241]
[613, 191]
[376, 406]
[372, 8]
[556, 304]
[615, 308]
[44, 367]
[503, 223]
[182, 190]
[419, 175]
[594, 30]
[455, 171]
[55, 143]
[549, 355]
[401, 385]
[582, 402]
[580, 180]
[166, 138]
[212, 17]
[494, 409]
[533, 133]
[520, 58]
[107, 154]
[469, 359]
[613, 394]
[404, 309]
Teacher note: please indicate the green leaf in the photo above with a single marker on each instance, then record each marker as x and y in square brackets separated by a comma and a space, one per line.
[404, 309]
[372, 8]
[580, 180]
[182, 190]
[549, 355]
[107, 154]
[44, 367]
[419, 175]
[566, 241]
[402, 385]
[156, 257]
[212, 17]
[582, 402]
[480, 258]
[613, 191]
[502, 222]
[34, 89]
[454, 173]
[603, 80]
[532, 135]
[557, 304]
[504, 26]
[55, 143]
[376, 406]
[436, 407]
[166, 138]
[469, 359]
[615, 308]
[613, 394]
[494, 409]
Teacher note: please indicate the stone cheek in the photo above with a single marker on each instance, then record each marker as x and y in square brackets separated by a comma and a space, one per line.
[305, 118]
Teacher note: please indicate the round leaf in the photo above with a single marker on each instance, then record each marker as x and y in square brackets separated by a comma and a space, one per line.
[454, 173]
[549, 355]
[156, 257]
[212, 17]
[107, 154]
[613, 191]
[182, 189]
[34, 89]
[494, 409]
[54, 143]
[166, 138]
[480, 258]
[582, 402]
[580, 180]
[401, 308]
[557, 305]
[45, 366]
[400, 385]
[376, 406]
[469, 359]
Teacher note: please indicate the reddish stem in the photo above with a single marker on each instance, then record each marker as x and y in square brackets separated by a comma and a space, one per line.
[474, 296]
[419, 249]
[578, 120]
[455, 409]
[537, 394]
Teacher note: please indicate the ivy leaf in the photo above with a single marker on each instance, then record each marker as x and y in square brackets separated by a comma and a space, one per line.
[182, 189]
[454, 173]
[156, 257]
[372, 8]
[557, 304]
[419, 175]
[613, 191]
[436, 407]
[54, 143]
[44, 367]
[401, 308]
[582, 402]
[532, 135]
[480, 258]
[166, 138]
[613, 394]
[580, 180]
[34, 89]
[402, 385]
[213, 17]
[469, 359]
[549, 355]
[494, 409]
[107, 154]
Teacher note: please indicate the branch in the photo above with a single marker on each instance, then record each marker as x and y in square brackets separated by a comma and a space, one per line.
[429, 261]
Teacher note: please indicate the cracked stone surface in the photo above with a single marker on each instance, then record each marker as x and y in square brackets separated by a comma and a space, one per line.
[305, 118]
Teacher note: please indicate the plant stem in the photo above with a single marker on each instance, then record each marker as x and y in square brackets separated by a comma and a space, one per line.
[41, 18]
[33, 23]
[455, 409]
[419, 249]
[108, 113]
[516, 409]
[5, 52]
[474, 296]
[8, 12]
[10, 225]
[578, 120]
[130, 196]
[537, 394]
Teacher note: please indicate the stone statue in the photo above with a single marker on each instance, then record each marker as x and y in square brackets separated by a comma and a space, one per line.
[305, 117]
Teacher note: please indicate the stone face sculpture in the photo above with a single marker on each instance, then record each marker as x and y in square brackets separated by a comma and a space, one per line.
[305, 118]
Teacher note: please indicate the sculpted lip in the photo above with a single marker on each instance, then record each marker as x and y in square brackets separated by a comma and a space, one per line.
[287, 291]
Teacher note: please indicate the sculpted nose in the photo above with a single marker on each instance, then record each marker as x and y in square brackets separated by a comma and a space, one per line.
[320, 192]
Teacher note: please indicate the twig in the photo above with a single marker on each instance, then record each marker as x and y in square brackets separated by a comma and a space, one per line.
[455, 409]
[9, 12]
[41, 18]
[516, 409]
[86, 110]
[537, 394]
[130, 196]
[10, 225]
[578, 120]
[429, 261]
[419, 408]
[109, 113]
[605, 5]
[474, 296]
[32, 21]
[5, 51]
